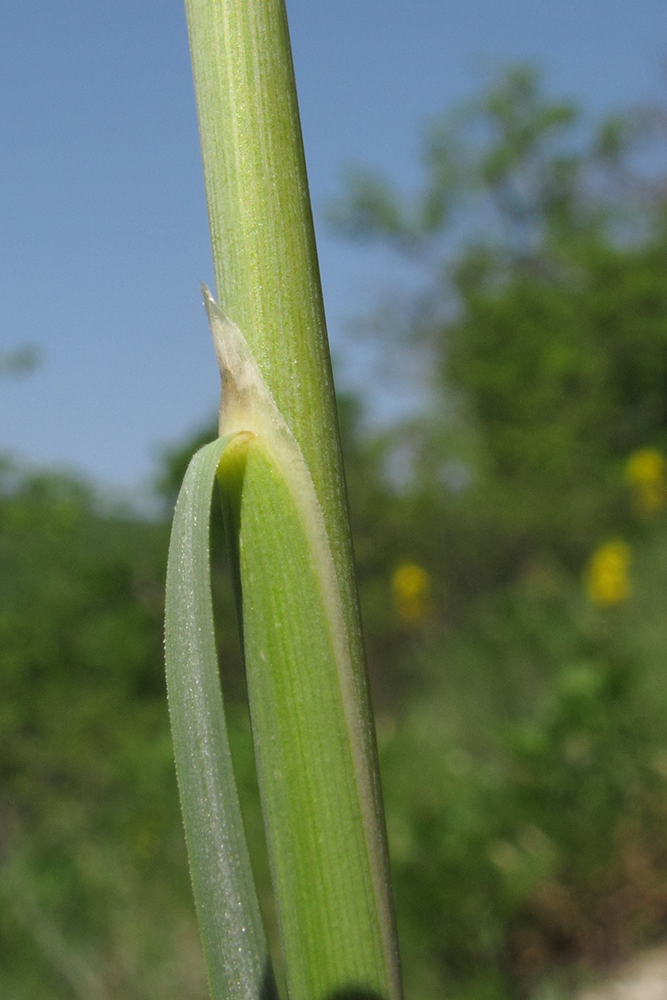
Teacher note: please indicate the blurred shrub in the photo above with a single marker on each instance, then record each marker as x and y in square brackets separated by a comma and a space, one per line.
[94, 890]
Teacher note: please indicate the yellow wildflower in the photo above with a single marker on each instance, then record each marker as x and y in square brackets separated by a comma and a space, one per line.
[646, 472]
[607, 579]
[411, 586]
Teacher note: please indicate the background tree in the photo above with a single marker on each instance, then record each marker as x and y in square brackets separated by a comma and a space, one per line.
[545, 312]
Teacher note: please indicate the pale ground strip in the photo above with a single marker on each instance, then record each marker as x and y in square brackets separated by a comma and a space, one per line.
[643, 978]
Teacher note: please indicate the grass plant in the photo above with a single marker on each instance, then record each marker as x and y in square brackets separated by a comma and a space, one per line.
[277, 461]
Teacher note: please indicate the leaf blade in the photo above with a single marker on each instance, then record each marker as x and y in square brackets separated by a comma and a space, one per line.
[230, 922]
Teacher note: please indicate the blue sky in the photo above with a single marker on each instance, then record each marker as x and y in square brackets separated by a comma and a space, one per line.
[104, 232]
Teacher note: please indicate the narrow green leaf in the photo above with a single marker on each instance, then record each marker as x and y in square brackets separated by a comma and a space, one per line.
[229, 917]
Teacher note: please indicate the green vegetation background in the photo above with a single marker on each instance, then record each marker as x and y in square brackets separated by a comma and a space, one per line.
[511, 543]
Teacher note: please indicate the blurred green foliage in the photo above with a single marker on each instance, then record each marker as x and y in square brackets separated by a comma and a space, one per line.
[512, 580]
